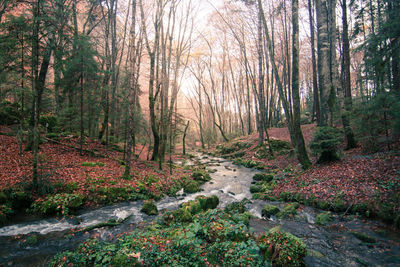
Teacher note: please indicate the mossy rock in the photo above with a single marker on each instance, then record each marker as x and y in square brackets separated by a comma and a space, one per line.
[31, 240]
[263, 177]
[323, 218]
[364, 237]
[201, 176]
[191, 187]
[269, 210]
[289, 210]
[149, 208]
[183, 215]
[193, 206]
[209, 202]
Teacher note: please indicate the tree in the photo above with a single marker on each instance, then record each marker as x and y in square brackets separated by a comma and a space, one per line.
[300, 144]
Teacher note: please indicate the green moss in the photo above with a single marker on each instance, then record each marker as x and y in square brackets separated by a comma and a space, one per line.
[191, 187]
[364, 237]
[269, 210]
[255, 189]
[149, 208]
[289, 210]
[263, 177]
[93, 164]
[209, 202]
[323, 218]
[201, 176]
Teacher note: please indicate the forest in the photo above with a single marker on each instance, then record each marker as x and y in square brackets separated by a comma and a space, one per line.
[199, 133]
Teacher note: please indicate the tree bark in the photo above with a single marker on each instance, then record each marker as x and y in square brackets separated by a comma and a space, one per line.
[300, 144]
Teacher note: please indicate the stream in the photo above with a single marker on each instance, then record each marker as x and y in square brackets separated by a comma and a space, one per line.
[35, 243]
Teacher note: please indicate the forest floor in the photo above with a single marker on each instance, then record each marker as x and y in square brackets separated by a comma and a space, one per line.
[357, 179]
[97, 174]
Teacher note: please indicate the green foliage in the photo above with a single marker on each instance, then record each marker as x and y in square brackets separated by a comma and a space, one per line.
[66, 187]
[289, 210]
[208, 238]
[5, 212]
[51, 122]
[191, 187]
[375, 120]
[207, 203]
[93, 164]
[9, 113]
[269, 210]
[339, 204]
[201, 176]
[279, 145]
[109, 195]
[263, 177]
[53, 136]
[18, 198]
[60, 203]
[282, 249]
[149, 207]
[323, 218]
[325, 143]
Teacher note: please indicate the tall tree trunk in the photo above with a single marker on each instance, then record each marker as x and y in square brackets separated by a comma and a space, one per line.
[300, 144]
[323, 60]
[260, 82]
[314, 64]
[351, 141]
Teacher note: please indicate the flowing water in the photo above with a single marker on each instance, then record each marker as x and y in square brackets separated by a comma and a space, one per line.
[34, 243]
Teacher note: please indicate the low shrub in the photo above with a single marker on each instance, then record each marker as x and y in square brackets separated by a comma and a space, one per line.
[326, 143]
[283, 249]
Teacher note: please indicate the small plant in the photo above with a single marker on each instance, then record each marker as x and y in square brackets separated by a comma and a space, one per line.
[325, 143]
[93, 164]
